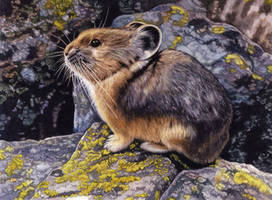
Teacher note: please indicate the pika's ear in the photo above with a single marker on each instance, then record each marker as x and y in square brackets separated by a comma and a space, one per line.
[134, 25]
[148, 39]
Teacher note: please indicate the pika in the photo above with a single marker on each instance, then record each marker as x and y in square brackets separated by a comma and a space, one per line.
[166, 99]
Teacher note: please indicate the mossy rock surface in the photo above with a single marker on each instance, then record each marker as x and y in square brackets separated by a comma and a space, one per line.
[56, 169]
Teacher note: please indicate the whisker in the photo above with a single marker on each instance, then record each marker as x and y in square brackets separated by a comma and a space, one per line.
[105, 21]
[95, 77]
[60, 47]
[99, 82]
[59, 38]
[55, 52]
[66, 36]
[55, 56]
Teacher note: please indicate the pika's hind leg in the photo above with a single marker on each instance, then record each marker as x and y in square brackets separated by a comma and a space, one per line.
[155, 148]
[117, 143]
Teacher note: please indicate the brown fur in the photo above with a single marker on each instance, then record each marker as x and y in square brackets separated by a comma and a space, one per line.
[119, 66]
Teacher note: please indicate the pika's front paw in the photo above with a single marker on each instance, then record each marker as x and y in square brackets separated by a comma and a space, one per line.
[115, 143]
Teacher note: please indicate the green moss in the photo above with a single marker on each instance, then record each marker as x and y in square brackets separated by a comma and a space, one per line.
[15, 163]
[242, 177]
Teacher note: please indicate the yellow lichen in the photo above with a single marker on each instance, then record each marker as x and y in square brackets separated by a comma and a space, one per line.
[157, 195]
[176, 41]
[187, 197]
[24, 193]
[43, 184]
[248, 196]
[2, 155]
[60, 8]
[15, 163]
[177, 10]
[242, 177]
[23, 184]
[222, 175]
[101, 162]
[219, 186]
[171, 198]
[232, 70]
[218, 29]
[142, 195]
[256, 76]
[250, 49]
[59, 24]
[194, 188]
[246, 1]
[237, 60]
[24, 188]
[130, 198]
[36, 195]
[50, 193]
[269, 69]
[269, 2]
[9, 149]
[29, 171]
[176, 158]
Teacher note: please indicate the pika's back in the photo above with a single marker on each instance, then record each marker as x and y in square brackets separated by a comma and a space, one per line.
[177, 85]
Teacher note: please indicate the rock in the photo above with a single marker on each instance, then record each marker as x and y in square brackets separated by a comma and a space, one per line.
[224, 180]
[24, 164]
[241, 65]
[95, 173]
[55, 168]
[251, 17]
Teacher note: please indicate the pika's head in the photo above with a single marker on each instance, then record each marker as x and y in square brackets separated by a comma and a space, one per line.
[98, 53]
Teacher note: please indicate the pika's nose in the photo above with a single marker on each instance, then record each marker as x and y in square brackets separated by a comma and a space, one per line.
[73, 52]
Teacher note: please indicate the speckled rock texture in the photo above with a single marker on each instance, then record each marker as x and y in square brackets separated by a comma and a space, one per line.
[242, 66]
[24, 164]
[224, 180]
[55, 168]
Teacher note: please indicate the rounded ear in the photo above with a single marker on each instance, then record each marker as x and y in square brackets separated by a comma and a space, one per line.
[148, 38]
[134, 25]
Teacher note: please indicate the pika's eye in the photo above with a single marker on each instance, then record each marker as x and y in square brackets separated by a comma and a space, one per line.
[95, 43]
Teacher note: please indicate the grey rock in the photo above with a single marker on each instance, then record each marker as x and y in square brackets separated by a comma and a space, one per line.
[24, 164]
[93, 172]
[75, 167]
[225, 180]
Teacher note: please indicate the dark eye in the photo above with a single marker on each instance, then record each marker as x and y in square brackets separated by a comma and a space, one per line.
[95, 43]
